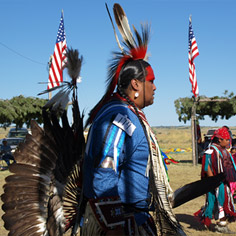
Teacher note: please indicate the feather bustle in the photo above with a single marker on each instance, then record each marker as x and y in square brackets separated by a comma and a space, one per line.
[34, 191]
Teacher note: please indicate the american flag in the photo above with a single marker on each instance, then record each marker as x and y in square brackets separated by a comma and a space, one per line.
[192, 54]
[58, 60]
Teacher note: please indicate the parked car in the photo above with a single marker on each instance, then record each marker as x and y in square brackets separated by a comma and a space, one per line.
[209, 134]
[13, 142]
[17, 133]
[207, 138]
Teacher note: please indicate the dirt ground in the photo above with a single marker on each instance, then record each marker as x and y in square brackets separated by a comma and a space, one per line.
[180, 174]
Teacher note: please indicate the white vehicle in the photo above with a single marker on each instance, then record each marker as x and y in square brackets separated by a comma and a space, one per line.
[17, 133]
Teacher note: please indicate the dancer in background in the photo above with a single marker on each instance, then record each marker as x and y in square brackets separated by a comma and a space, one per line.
[219, 202]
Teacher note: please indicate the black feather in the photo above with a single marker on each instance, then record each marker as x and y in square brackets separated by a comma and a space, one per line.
[195, 189]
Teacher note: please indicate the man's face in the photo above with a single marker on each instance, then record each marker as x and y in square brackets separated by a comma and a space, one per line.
[150, 88]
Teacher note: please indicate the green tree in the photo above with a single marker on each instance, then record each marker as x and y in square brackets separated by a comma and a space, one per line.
[21, 110]
[215, 107]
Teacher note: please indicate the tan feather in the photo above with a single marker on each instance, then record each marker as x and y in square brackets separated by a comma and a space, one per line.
[123, 25]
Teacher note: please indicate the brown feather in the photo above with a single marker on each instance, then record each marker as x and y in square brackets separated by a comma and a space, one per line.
[35, 128]
[30, 184]
[23, 169]
[27, 226]
[24, 198]
[43, 144]
[27, 231]
[26, 204]
[30, 156]
[16, 218]
[23, 190]
[24, 178]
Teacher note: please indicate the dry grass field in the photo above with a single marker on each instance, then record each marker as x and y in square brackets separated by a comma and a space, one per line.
[180, 174]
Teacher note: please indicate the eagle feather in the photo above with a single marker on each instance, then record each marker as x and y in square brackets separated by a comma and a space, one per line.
[123, 25]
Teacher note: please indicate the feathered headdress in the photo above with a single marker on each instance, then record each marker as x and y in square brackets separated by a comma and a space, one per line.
[135, 48]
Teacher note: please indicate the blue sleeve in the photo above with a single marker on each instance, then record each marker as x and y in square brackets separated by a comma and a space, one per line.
[109, 155]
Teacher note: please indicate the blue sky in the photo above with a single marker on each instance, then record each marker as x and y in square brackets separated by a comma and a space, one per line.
[28, 35]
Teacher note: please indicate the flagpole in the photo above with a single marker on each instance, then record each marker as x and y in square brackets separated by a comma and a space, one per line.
[193, 52]
[193, 124]
[49, 66]
[194, 133]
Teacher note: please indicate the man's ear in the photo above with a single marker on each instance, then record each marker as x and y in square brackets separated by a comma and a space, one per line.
[134, 84]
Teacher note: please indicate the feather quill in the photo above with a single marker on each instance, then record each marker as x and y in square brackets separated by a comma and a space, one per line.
[64, 84]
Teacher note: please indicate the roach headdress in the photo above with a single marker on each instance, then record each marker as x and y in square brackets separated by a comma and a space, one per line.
[134, 48]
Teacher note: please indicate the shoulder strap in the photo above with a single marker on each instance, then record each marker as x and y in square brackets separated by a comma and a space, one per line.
[219, 154]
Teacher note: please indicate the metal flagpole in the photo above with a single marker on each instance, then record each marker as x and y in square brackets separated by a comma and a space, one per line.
[49, 66]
